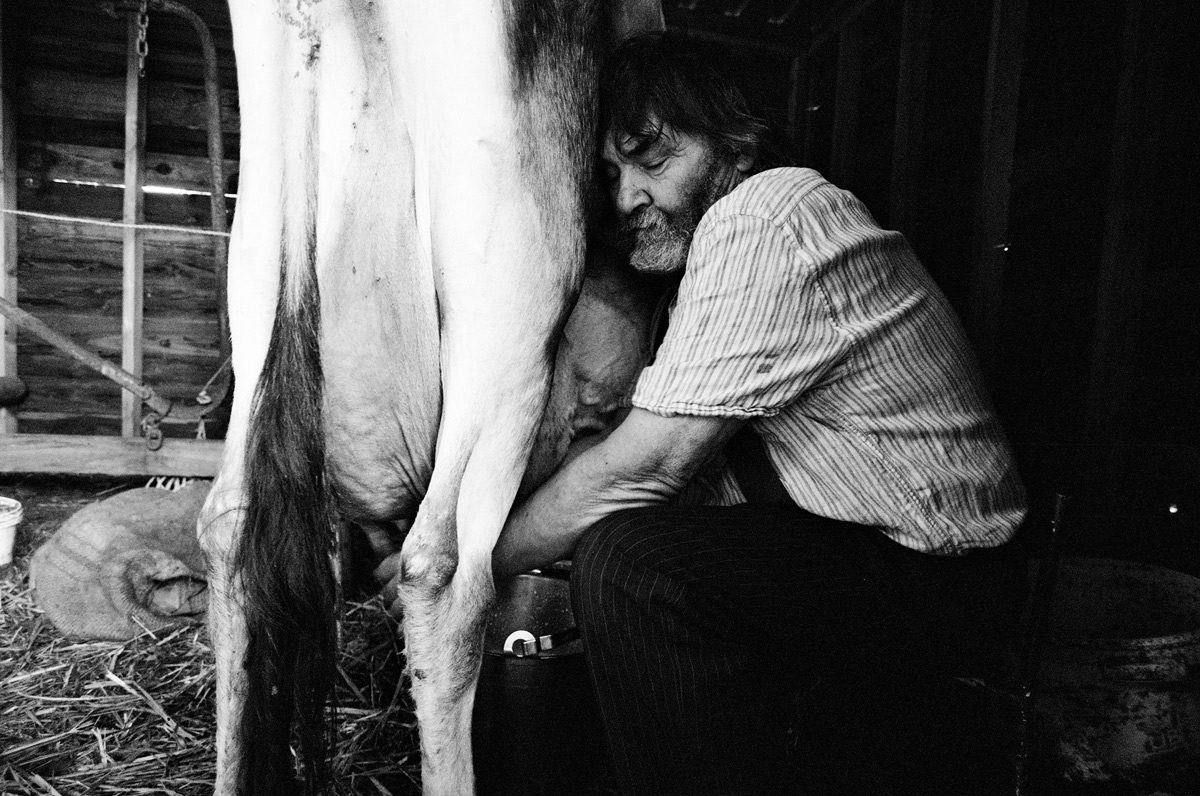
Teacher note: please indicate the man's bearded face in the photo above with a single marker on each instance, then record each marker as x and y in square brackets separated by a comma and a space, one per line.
[661, 237]
[661, 190]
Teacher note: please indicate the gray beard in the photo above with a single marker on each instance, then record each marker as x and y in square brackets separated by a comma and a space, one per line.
[661, 241]
[661, 246]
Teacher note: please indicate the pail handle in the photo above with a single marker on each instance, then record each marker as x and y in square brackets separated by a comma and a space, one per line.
[523, 644]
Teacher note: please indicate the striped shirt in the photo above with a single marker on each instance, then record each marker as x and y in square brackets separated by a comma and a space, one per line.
[797, 311]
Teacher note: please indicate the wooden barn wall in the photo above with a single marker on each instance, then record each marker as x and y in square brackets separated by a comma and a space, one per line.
[65, 72]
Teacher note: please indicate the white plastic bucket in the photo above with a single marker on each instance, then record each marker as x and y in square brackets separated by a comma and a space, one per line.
[11, 513]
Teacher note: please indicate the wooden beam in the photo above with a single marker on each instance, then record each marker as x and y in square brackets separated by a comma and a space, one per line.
[1001, 94]
[49, 239]
[132, 260]
[70, 454]
[1145, 48]
[908, 134]
[8, 235]
[65, 95]
[178, 61]
[41, 162]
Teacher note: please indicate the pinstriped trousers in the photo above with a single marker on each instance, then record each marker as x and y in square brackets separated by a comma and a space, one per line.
[698, 623]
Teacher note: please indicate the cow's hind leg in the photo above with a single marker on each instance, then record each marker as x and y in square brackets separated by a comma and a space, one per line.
[220, 522]
[444, 601]
[445, 587]
[509, 97]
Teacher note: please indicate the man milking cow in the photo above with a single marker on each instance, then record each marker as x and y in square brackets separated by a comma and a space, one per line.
[796, 318]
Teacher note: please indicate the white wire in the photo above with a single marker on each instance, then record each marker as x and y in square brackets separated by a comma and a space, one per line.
[102, 223]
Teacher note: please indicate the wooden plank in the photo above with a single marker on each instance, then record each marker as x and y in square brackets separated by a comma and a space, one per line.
[94, 455]
[78, 241]
[55, 42]
[174, 291]
[64, 382]
[97, 422]
[191, 337]
[1121, 284]
[44, 162]
[83, 201]
[907, 137]
[1001, 94]
[8, 235]
[69, 388]
[132, 261]
[87, 393]
[45, 92]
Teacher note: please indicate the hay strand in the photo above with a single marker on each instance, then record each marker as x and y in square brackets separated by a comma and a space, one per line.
[138, 717]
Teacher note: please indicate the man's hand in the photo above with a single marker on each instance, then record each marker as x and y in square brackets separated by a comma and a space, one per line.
[645, 461]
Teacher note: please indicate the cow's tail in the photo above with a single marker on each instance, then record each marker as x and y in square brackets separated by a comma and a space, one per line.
[284, 555]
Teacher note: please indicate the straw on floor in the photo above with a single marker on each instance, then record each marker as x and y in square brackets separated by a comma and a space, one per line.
[137, 717]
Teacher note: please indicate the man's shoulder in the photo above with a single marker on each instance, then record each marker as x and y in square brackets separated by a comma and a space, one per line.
[774, 194]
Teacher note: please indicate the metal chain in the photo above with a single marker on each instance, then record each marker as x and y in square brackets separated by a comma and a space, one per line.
[143, 44]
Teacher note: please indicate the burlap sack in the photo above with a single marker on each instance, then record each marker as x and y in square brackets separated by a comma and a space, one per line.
[128, 559]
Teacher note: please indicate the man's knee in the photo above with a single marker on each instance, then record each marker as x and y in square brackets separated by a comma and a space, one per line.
[601, 553]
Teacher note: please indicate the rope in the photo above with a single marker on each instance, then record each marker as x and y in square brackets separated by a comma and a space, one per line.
[216, 373]
[121, 224]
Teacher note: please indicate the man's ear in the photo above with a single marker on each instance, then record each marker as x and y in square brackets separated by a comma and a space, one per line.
[745, 161]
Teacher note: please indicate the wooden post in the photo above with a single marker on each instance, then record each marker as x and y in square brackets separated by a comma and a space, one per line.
[1130, 196]
[8, 237]
[132, 262]
[808, 143]
[845, 110]
[1001, 93]
[907, 136]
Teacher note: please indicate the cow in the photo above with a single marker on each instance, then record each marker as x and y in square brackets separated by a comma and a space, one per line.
[410, 237]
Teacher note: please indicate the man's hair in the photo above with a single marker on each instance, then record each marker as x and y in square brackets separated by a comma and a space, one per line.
[662, 79]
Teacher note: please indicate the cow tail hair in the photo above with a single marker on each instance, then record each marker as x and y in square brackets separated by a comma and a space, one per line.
[285, 554]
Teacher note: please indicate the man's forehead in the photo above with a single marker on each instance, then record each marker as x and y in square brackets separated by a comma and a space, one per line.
[655, 140]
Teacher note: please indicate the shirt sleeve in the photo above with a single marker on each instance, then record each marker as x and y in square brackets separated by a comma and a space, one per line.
[751, 329]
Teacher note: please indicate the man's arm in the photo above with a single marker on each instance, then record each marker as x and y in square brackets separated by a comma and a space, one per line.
[645, 461]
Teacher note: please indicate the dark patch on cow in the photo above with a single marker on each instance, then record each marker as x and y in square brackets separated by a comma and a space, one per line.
[543, 34]
[554, 48]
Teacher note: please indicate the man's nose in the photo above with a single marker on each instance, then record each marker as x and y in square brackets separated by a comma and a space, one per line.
[631, 194]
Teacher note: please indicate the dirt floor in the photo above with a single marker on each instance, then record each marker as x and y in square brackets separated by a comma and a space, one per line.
[93, 717]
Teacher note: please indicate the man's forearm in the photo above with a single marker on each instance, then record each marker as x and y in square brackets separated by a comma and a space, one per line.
[530, 540]
[547, 526]
[645, 461]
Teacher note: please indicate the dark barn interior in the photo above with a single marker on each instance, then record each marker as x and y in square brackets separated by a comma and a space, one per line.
[1040, 156]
